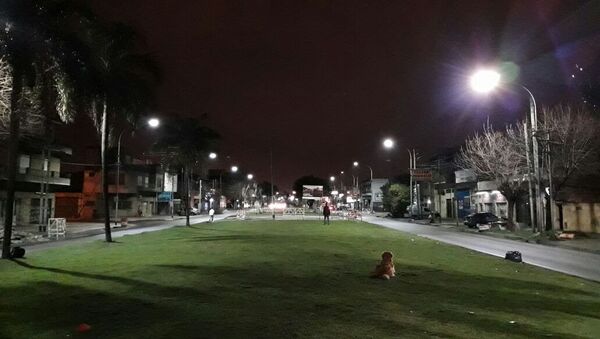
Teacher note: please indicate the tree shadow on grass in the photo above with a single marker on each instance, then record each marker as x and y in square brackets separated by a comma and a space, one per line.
[225, 237]
[437, 296]
[140, 285]
[52, 310]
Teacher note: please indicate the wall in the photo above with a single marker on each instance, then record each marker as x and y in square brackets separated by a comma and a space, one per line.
[582, 217]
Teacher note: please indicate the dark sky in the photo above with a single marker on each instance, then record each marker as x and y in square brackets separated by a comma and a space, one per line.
[325, 81]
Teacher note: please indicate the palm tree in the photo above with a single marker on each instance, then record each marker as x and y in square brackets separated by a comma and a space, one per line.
[38, 42]
[185, 143]
[120, 83]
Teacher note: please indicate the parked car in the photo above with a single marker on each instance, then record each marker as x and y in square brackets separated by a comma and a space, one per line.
[484, 218]
[193, 211]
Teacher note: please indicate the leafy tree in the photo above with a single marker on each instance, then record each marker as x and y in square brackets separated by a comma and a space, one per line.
[185, 144]
[119, 83]
[40, 51]
[265, 188]
[396, 198]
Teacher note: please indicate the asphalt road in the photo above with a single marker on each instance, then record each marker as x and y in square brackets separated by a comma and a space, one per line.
[140, 227]
[580, 264]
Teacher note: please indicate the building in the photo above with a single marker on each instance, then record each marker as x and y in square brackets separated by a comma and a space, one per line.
[143, 190]
[372, 195]
[578, 206]
[38, 177]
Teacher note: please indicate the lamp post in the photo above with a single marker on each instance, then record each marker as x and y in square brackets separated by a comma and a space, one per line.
[152, 123]
[484, 81]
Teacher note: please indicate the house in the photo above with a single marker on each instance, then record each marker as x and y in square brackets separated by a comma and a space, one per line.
[372, 195]
[141, 190]
[38, 177]
[578, 206]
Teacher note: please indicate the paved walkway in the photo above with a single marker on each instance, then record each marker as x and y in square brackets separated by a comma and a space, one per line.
[96, 232]
[577, 263]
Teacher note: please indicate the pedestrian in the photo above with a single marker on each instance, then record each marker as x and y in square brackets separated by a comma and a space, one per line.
[211, 213]
[326, 213]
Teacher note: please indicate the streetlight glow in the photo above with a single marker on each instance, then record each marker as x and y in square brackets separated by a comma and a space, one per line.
[355, 164]
[388, 143]
[250, 176]
[332, 178]
[212, 155]
[234, 169]
[153, 122]
[484, 81]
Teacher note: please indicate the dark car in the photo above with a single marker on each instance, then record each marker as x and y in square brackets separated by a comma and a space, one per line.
[484, 218]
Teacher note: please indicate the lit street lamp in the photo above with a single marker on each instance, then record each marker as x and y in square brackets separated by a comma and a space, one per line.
[152, 123]
[250, 176]
[234, 169]
[485, 81]
[388, 143]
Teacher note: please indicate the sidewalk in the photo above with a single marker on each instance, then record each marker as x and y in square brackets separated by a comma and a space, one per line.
[30, 235]
[589, 242]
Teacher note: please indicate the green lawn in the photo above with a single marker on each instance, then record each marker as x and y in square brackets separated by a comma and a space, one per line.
[286, 279]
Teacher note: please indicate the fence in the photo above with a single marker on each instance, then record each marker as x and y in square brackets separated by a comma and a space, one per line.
[57, 227]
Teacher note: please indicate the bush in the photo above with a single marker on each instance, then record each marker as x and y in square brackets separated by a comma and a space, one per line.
[396, 199]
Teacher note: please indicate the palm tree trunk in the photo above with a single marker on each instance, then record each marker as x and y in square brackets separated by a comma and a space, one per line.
[103, 148]
[13, 152]
[187, 195]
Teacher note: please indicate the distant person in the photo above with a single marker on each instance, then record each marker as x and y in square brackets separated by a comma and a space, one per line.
[326, 213]
[211, 214]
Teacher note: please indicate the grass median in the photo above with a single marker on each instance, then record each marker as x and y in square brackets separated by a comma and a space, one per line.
[286, 278]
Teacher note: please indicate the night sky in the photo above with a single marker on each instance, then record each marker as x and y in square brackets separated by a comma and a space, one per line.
[324, 81]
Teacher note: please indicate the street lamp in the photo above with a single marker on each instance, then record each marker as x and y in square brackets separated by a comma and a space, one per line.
[250, 176]
[234, 169]
[485, 81]
[388, 143]
[152, 123]
[212, 155]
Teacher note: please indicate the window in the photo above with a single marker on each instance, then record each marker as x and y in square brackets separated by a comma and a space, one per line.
[125, 204]
[24, 163]
[140, 180]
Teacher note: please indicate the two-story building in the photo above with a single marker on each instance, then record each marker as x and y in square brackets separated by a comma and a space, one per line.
[38, 177]
[372, 195]
[141, 190]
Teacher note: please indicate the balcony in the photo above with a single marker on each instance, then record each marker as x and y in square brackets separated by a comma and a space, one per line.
[40, 176]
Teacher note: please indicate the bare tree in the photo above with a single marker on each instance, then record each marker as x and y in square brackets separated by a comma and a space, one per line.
[569, 138]
[569, 143]
[500, 156]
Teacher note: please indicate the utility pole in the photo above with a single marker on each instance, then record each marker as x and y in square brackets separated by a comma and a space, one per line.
[272, 188]
[410, 171]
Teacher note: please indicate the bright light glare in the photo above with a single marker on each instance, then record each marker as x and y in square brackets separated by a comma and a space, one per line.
[250, 176]
[332, 178]
[484, 81]
[388, 143]
[234, 169]
[212, 155]
[153, 122]
[278, 206]
[355, 164]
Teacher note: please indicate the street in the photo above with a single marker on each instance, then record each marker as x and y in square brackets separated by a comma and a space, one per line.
[580, 264]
